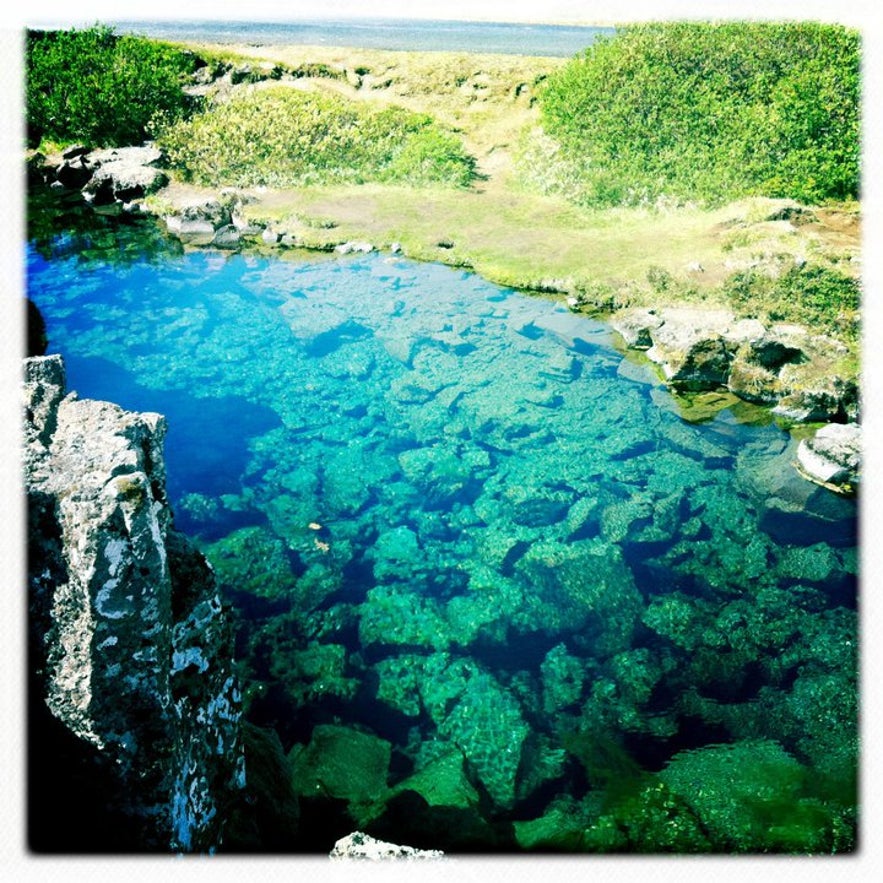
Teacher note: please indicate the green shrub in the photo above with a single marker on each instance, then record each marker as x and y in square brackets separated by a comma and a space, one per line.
[711, 112]
[93, 86]
[280, 137]
[811, 295]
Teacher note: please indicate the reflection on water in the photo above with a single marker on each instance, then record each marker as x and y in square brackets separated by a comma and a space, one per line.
[493, 591]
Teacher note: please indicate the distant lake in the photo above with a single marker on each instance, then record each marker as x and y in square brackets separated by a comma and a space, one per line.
[376, 33]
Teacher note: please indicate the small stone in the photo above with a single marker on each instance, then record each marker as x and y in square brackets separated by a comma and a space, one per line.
[361, 846]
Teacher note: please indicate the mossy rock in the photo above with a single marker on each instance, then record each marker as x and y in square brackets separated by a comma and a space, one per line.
[341, 762]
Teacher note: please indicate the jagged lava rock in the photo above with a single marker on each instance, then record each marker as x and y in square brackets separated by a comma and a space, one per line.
[124, 175]
[125, 616]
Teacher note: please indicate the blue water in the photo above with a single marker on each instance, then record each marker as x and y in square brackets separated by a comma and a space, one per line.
[455, 519]
[374, 33]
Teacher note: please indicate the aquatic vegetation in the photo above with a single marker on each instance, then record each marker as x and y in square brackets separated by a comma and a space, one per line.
[754, 797]
[485, 583]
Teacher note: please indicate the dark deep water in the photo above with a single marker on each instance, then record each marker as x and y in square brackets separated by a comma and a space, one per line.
[492, 591]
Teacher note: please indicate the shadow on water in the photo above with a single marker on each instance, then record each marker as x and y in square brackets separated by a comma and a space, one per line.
[202, 455]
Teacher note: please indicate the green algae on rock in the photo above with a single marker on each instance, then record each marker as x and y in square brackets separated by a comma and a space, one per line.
[452, 528]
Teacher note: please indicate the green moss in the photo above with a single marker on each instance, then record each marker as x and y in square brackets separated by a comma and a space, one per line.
[754, 797]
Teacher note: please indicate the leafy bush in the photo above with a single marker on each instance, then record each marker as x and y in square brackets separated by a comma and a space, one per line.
[93, 86]
[711, 112]
[280, 137]
[810, 295]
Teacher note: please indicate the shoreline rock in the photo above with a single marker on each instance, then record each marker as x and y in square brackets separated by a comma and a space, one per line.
[131, 649]
[705, 350]
[832, 457]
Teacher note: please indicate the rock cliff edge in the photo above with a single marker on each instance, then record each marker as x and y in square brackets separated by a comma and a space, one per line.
[135, 707]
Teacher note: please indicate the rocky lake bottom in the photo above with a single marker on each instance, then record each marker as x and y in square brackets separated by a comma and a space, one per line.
[492, 591]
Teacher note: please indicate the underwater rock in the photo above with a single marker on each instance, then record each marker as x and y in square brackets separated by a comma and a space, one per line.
[559, 829]
[391, 615]
[313, 673]
[747, 797]
[134, 645]
[342, 762]
[398, 683]
[808, 563]
[618, 519]
[563, 677]
[471, 709]
[253, 560]
[486, 724]
[442, 782]
[395, 552]
[441, 472]
[540, 509]
[438, 805]
[581, 586]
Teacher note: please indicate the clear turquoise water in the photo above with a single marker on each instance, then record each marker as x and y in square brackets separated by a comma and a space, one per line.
[468, 542]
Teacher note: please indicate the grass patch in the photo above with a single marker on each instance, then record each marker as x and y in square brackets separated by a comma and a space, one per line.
[813, 295]
[281, 137]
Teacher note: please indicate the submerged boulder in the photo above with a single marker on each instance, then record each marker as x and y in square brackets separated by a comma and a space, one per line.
[345, 764]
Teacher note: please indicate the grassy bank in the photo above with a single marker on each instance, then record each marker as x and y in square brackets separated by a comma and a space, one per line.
[511, 232]
[473, 189]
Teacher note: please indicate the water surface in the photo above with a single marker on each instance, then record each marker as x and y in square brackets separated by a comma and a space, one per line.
[492, 591]
[418, 35]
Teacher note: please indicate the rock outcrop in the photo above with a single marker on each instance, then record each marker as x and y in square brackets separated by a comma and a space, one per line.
[832, 457]
[703, 349]
[116, 178]
[130, 645]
